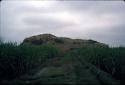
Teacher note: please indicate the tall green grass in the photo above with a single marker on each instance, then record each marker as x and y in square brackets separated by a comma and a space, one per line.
[111, 60]
[16, 60]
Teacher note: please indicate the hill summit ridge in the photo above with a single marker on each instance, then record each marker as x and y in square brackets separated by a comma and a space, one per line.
[62, 42]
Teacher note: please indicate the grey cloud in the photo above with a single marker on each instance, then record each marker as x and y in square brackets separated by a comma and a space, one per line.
[26, 9]
[46, 23]
[119, 29]
[98, 8]
[103, 6]
[40, 10]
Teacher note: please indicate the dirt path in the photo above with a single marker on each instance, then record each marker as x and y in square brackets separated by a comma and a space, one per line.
[75, 71]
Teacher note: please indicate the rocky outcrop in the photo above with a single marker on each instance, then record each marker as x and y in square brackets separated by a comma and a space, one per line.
[62, 42]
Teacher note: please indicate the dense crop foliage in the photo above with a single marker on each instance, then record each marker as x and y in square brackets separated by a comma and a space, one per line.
[111, 60]
[17, 60]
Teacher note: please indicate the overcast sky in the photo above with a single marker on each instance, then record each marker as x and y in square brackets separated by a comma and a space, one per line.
[103, 21]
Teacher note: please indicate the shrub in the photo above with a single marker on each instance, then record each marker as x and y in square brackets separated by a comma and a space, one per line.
[59, 41]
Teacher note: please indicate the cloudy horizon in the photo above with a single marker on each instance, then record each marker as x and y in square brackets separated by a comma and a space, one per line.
[103, 21]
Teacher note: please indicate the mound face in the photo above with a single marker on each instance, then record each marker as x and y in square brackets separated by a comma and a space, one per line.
[62, 42]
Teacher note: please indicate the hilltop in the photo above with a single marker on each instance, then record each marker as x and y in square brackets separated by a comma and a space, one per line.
[63, 43]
